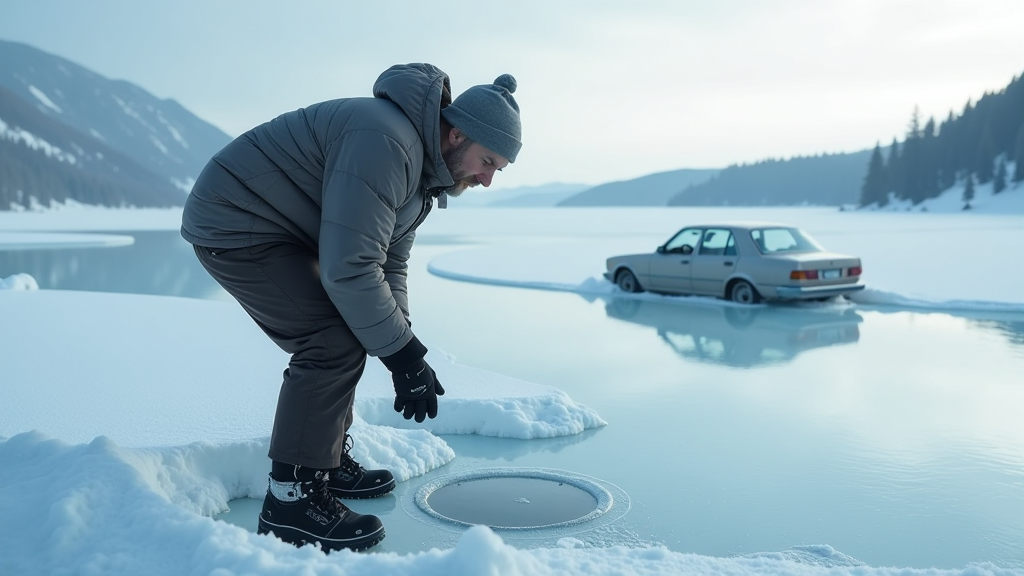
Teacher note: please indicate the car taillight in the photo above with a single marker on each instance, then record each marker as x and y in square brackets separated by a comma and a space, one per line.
[803, 275]
[855, 271]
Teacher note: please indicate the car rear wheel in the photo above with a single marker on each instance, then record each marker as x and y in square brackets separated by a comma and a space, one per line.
[627, 282]
[743, 292]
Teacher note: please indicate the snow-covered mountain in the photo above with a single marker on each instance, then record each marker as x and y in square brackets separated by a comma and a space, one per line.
[43, 161]
[99, 116]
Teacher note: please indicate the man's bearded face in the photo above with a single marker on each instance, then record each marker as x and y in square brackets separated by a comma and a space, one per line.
[454, 160]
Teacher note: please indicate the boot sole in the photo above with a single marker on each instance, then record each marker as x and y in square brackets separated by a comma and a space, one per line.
[299, 538]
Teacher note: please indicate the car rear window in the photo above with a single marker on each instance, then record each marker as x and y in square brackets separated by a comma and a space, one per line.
[775, 240]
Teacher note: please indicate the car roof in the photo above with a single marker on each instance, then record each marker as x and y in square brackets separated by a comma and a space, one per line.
[741, 224]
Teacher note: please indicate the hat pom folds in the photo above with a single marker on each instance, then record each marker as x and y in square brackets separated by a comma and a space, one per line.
[506, 81]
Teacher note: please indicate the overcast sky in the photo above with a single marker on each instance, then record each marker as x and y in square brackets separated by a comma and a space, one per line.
[609, 90]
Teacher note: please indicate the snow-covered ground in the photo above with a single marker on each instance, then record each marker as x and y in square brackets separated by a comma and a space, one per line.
[131, 427]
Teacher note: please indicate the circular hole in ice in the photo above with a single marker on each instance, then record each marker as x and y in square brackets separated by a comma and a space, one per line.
[515, 499]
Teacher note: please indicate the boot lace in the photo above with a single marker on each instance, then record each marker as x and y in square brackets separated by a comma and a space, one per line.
[322, 497]
[348, 464]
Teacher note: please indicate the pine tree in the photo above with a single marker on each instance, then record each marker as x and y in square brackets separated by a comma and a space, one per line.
[917, 180]
[930, 184]
[914, 130]
[999, 182]
[968, 191]
[910, 163]
[910, 160]
[1018, 156]
[893, 171]
[986, 155]
[930, 128]
[945, 151]
[873, 190]
[921, 178]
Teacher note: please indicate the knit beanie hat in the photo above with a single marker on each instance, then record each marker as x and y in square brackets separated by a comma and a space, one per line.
[489, 115]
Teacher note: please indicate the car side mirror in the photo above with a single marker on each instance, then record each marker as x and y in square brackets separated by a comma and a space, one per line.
[686, 249]
[660, 249]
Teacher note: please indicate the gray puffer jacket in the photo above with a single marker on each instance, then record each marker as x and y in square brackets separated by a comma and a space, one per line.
[351, 179]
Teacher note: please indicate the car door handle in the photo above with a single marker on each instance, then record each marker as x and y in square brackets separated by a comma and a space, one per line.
[684, 261]
[728, 263]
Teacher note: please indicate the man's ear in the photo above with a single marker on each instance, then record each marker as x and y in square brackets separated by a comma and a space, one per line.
[455, 136]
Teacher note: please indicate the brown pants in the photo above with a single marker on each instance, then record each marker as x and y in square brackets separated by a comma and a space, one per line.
[278, 284]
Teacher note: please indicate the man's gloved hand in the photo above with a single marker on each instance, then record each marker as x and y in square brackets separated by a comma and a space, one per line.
[416, 390]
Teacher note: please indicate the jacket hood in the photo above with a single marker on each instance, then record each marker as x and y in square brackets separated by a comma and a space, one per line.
[418, 90]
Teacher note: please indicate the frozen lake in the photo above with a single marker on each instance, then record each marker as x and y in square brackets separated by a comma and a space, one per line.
[892, 435]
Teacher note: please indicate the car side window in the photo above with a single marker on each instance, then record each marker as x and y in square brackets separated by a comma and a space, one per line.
[716, 242]
[687, 237]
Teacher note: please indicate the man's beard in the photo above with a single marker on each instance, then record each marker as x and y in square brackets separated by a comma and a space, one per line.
[453, 159]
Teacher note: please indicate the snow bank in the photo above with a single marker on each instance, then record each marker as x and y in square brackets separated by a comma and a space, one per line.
[99, 508]
[19, 282]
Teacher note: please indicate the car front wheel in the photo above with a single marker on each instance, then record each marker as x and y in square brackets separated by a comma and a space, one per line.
[627, 282]
[743, 292]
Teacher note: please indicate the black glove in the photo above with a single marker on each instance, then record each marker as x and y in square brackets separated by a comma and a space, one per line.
[416, 385]
[416, 391]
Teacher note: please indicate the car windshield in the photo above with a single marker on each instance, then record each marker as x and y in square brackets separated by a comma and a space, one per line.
[774, 240]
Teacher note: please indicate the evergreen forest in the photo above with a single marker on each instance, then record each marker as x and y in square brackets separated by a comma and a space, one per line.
[975, 147]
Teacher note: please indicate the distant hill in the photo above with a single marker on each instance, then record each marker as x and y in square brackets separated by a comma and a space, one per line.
[159, 136]
[651, 190]
[42, 159]
[541, 196]
[825, 180]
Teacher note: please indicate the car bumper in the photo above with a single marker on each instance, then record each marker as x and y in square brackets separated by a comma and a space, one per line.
[805, 292]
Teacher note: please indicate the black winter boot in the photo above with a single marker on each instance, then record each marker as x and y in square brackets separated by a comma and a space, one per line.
[351, 480]
[306, 512]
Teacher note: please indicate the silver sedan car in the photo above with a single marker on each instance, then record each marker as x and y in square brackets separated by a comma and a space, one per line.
[740, 261]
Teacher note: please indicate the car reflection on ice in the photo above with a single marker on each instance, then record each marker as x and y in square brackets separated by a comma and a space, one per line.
[740, 336]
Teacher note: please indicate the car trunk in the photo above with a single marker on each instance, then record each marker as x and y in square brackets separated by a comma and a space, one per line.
[829, 267]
